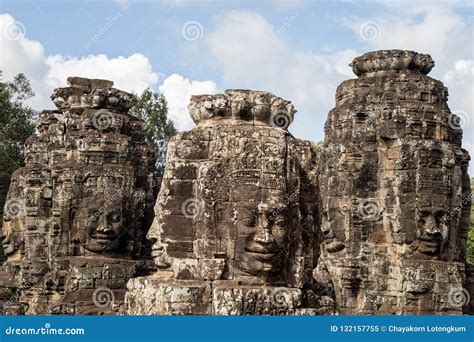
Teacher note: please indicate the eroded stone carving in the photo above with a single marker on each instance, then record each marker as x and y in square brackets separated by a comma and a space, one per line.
[77, 215]
[249, 219]
[395, 190]
[236, 226]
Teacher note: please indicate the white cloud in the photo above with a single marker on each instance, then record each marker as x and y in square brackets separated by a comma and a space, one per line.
[263, 60]
[439, 31]
[178, 91]
[460, 82]
[286, 5]
[133, 74]
[424, 28]
[122, 3]
[435, 29]
[22, 55]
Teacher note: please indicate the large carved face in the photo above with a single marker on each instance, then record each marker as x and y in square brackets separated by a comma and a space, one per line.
[14, 219]
[100, 226]
[261, 238]
[428, 210]
[158, 249]
[261, 225]
[432, 230]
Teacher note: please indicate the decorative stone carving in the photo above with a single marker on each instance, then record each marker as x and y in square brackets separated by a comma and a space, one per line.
[249, 220]
[394, 189]
[77, 215]
[236, 226]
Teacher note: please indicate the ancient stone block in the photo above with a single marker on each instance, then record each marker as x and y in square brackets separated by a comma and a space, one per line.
[412, 198]
[79, 205]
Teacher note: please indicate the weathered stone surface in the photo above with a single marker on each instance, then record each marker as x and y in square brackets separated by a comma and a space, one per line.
[249, 220]
[237, 207]
[77, 214]
[395, 190]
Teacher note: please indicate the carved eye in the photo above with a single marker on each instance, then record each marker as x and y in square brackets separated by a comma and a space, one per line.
[441, 217]
[279, 221]
[249, 221]
[115, 217]
[424, 216]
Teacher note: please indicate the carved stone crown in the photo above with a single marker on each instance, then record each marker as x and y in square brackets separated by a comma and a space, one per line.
[249, 105]
[91, 93]
[394, 60]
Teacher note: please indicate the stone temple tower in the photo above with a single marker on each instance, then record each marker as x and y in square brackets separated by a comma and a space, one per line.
[236, 225]
[395, 191]
[77, 214]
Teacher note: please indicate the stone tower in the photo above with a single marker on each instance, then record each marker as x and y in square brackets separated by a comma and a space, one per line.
[248, 219]
[395, 191]
[236, 225]
[77, 214]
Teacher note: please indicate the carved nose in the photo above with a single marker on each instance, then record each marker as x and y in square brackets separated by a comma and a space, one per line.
[104, 225]
[152, 234]
[6, 234]
[431, 228]
[264, 237]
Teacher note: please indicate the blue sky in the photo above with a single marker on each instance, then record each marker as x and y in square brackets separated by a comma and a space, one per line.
[298, 49]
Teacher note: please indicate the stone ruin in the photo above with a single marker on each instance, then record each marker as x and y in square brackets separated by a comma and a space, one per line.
[249, 220]
[395, 191]
[236, 220]
[77, 214]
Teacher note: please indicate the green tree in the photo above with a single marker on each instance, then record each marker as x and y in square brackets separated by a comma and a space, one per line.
[16, 124]
[152, 108]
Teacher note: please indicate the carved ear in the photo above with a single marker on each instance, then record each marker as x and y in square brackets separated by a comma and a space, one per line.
[72, 213]
[75, 246]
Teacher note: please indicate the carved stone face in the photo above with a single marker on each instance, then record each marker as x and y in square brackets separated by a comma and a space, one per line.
[432, 232]
[100, 227]
[428, 211]
[158, 250]
[12, 237]
[259, 229]
[261, 237]
[333, 230]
